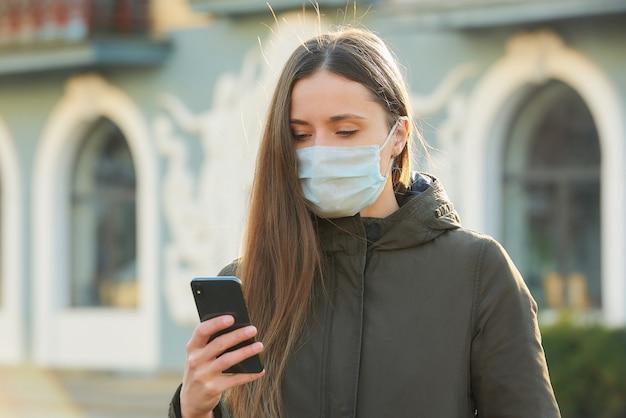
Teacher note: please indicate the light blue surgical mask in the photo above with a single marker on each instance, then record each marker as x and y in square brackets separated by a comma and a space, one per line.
[341, 181]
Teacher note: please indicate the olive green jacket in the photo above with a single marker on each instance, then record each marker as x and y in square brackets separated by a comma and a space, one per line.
[420, 318]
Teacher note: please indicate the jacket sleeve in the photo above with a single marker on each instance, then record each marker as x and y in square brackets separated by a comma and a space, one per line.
[509, 374]
[174, 412]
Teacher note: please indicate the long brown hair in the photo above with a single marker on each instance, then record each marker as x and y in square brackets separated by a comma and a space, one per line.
[281, 259]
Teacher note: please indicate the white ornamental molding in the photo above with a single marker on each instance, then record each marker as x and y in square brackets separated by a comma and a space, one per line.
[447, 97]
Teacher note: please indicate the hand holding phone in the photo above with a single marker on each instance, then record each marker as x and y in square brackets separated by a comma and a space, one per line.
[216, 296]
[204, 381]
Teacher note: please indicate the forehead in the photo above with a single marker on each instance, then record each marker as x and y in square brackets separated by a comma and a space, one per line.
[326, 94]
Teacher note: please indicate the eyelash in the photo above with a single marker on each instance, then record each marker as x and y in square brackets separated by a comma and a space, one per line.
[345, 134]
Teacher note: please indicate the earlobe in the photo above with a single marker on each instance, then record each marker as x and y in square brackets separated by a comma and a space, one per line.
[402, 134]
[400, 144]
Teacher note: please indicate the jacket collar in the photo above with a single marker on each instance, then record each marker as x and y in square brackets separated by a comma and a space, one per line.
[424, 214]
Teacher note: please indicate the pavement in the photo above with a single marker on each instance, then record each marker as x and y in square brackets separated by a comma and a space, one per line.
[32, 392]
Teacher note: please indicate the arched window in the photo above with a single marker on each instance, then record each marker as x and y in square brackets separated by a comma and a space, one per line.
[103, 223]
[552, 198]
[96, 233]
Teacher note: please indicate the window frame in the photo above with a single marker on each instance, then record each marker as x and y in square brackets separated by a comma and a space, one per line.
[519, 177]
[96, 338]
[532, 58]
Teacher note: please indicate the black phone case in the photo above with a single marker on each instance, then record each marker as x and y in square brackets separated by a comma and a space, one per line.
[215, 296]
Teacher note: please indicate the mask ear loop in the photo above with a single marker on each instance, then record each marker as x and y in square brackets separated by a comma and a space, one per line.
[391, 133]
[393, 157]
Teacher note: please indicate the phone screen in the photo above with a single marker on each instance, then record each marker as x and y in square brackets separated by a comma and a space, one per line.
[215, 296]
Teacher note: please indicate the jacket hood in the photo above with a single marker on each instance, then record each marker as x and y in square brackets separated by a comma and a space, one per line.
[425, 213]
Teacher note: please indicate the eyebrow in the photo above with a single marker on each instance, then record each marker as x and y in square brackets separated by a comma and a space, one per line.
[336, 118]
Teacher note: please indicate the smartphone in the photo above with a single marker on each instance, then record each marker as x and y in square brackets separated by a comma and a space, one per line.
[216, 296]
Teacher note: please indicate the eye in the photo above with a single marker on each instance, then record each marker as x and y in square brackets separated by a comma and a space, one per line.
[347, 133]
[300, 136]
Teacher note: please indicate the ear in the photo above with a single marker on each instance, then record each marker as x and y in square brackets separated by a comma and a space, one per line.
[401, 135]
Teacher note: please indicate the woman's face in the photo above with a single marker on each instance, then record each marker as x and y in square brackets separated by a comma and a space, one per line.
[330, 110]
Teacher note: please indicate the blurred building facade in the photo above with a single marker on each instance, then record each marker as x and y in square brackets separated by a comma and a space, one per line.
[128, 132]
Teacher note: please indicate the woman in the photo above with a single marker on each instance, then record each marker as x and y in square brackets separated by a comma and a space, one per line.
[369, 297]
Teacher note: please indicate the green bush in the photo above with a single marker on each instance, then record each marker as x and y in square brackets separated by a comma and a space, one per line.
[588, 369]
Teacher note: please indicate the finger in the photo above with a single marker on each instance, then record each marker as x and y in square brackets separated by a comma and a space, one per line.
[229, 359]
[206, 375]
[203, 332]
[204, 397]
[206, 381]
[202, 358]
[228, 381]
[226, 341]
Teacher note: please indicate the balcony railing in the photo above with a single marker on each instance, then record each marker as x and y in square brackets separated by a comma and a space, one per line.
[46, 35]
[24, 22]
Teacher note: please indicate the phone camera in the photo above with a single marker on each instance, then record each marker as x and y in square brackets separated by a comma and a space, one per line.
[198, 292]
